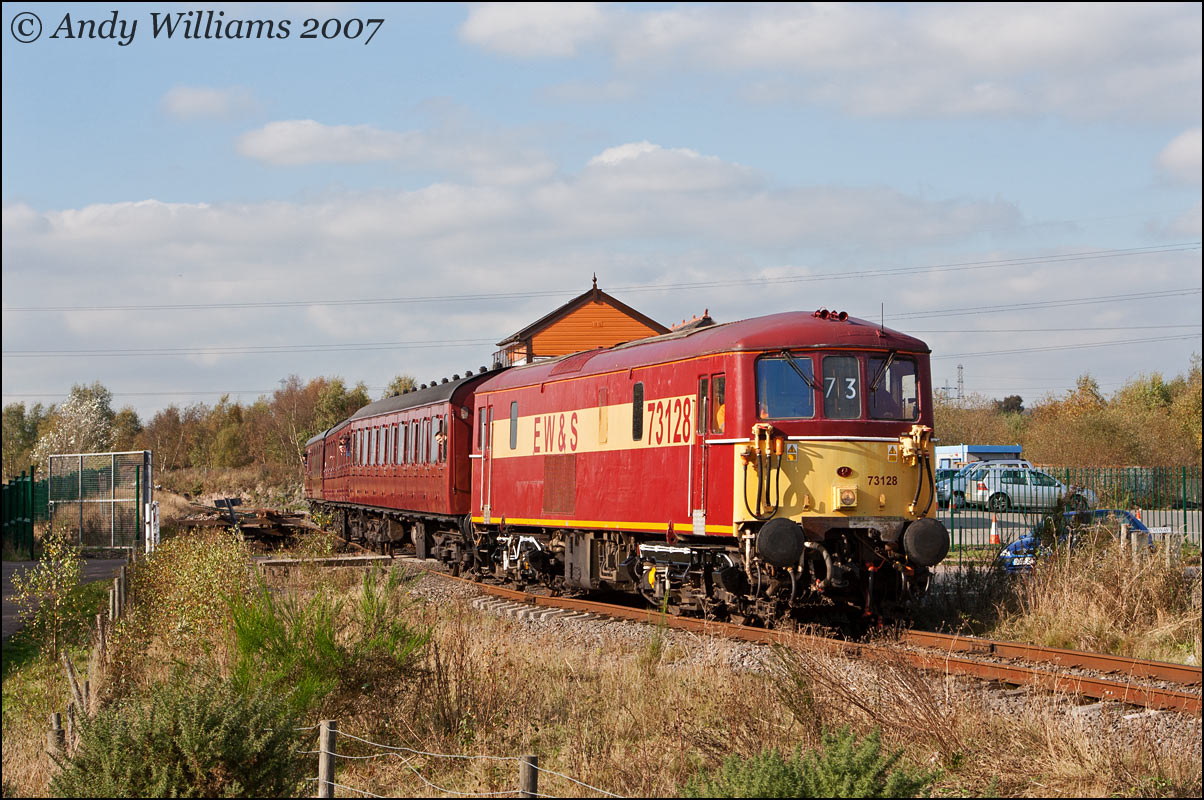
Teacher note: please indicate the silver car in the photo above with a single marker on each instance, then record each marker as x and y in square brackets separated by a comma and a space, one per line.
[1004, 489]
[956, 484]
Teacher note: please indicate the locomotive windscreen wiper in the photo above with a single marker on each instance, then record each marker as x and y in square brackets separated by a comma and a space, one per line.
[890, 359]
[794, 365]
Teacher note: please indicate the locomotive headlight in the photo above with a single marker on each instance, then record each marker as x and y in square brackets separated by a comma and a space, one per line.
[844, 472]
[844, 496]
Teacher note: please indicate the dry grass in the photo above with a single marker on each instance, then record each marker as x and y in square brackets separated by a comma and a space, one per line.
[639, 713]
[1017, 746]
[1103, 599]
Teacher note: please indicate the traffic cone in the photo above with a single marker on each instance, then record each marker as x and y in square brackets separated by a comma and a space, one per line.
[1139, 515]
[994, 531]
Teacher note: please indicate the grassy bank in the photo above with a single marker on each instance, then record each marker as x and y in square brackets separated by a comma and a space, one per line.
[633, 710]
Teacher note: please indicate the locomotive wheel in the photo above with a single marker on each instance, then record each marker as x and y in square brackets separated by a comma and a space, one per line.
[999, 503]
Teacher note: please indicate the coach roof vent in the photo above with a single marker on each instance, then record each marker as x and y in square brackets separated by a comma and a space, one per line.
[591, 320]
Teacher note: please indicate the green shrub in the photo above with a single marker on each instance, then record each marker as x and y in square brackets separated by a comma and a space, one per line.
[842, 768]
[47, 594]
[190, 737]
[311, 647]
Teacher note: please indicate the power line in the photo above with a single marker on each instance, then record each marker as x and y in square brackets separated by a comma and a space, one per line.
[1050, 348]
[461, 343]
[863, 273]
[1036, 304]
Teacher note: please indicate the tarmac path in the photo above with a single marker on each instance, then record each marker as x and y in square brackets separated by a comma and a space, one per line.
[95, 569]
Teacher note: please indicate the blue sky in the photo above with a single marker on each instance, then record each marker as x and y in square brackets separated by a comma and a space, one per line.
[780, 151]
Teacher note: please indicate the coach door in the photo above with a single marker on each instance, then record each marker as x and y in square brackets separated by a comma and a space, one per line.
[485, 437]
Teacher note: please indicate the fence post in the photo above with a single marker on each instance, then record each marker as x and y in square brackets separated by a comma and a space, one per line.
[528, 776]
[326, 734]
[56, 739]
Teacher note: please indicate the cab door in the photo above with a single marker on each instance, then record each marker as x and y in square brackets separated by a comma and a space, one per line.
[698, 453]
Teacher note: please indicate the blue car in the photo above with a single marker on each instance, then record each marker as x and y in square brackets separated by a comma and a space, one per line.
[1020, 555]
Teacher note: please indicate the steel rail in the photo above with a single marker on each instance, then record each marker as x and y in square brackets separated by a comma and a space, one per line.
[1121, 690]
[1129, 667]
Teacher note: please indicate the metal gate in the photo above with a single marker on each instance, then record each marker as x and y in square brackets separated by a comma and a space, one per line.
[100, 497]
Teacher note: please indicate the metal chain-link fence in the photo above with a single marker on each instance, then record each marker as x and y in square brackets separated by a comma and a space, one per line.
[100, 497]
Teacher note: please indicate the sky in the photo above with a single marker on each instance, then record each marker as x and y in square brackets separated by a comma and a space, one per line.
[188, 215]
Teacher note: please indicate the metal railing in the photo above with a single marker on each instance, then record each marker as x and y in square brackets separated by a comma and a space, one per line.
[1006, 504]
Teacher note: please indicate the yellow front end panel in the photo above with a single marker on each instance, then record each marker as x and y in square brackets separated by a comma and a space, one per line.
[879, 483]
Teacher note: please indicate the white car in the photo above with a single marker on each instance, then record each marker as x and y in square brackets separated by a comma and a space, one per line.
[1004, 489]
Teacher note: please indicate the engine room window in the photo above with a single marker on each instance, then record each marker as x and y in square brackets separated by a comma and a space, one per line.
[894, 396]
[842, 387]
[514, 425]
[637, 412]
[781, 392]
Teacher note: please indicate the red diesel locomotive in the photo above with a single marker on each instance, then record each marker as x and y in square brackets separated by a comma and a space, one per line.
[755, 469]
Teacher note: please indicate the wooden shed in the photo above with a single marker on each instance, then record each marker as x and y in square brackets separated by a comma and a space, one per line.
[593, 319]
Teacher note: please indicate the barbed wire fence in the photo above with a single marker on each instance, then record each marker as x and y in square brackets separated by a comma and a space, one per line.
[328, 755]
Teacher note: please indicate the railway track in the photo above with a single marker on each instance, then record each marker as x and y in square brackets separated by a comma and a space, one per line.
[1151, 684]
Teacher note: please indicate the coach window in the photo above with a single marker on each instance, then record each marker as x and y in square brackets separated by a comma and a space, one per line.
[361, 447]
[637, 412]
[718, 402]
[436, 440]
[842, 387]
[514, 425]
[893, 388]
[396, 445]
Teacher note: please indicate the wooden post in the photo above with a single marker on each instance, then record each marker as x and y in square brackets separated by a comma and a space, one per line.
[114, 608]
[56, 740]
[1124, 537]
[528, 776]
[101, 645]
[121, 589]
[70, 732]
[326, 751]
[76, 693]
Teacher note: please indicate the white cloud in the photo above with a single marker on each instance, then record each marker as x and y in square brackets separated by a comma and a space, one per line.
[1180, 159]
[1090, 61]
[199, 102]
[533, 29]
[489, 159]
[304, 141]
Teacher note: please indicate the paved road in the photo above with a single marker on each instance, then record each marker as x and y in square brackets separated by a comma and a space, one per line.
[95, 569]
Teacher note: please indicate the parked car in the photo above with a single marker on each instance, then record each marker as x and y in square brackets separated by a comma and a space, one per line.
[1004, 489]
[1022, 554]
[955, 484]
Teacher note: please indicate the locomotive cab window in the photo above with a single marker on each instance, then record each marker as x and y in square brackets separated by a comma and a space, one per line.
[483, 435]
[718, 403]
[893, 392]
[700, 408]
[785, 387]
[842, 387]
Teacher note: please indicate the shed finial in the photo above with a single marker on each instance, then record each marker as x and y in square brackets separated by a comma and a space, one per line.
[595, 280]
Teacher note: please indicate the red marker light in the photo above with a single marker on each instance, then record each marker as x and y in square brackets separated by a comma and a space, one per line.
[844, 472]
